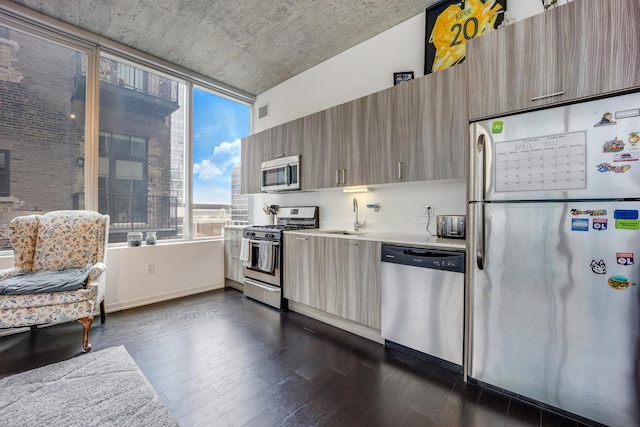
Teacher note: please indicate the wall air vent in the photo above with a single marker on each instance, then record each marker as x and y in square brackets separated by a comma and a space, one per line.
[263, 111]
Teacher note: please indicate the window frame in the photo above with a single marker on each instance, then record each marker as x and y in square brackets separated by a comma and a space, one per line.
[18, 18]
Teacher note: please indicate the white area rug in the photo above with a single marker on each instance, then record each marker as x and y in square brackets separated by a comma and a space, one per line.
[105, 388]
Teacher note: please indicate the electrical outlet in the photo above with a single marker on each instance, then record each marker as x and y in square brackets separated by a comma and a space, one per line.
[420, 210]
[150, 268]
[429, 210]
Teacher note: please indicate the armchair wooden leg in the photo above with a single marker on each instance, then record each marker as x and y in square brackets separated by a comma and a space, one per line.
[86, 324]
[102, 313]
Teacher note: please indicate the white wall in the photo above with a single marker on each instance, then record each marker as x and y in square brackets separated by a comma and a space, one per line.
[398, 204]
[180, 269]
[359, 71]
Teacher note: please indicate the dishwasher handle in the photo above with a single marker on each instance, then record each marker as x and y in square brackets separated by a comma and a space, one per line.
[435, 259]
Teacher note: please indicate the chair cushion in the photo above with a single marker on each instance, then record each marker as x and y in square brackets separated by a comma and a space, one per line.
[12, 302]
[68, 239]
[24, 283]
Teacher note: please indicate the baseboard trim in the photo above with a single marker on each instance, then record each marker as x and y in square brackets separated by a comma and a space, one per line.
[152, 299]
[338, 322]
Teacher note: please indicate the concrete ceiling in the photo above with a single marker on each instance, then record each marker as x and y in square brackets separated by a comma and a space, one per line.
[252, 45]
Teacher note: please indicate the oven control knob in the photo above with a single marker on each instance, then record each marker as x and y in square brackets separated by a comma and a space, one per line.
[251, 234]
[270, 236]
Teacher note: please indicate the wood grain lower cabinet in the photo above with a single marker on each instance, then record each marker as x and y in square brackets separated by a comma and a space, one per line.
[303, 269]
[352, 288]
[233, 268]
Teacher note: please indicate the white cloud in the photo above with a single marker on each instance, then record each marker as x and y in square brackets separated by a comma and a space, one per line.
[227, 148]
[206, 170]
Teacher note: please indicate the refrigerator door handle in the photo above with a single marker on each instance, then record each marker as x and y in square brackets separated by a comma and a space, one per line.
[480, 237]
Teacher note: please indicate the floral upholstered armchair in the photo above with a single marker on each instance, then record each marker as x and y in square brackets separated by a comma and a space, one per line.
[49, 249]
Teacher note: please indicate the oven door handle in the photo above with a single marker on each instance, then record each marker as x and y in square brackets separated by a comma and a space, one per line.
[258, 241]
[261, 286]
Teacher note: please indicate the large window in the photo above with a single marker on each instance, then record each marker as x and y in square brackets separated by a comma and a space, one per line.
[218, 125]
[141, 150]
[42, 138]
[114, 137]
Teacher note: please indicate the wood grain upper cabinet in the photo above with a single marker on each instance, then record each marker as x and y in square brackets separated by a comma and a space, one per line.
[431, 126]
[284, 140]
[352, 288]
[369, 148]
[517, 67]
[303, 269]
[320, 151]
[599, 41]
[350, 144]
[251, 150]
[579, 50]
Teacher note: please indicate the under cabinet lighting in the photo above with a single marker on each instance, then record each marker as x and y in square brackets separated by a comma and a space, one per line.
[356, 189]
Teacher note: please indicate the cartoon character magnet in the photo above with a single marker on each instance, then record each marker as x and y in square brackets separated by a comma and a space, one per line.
[614, 146]
[598, 267]
[634, 141]
[606, 167]
[606, 120]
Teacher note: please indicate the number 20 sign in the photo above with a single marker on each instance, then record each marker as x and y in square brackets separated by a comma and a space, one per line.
[451, 23]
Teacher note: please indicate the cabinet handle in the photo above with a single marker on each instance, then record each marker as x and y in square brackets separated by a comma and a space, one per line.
[337, 176]
[278, 156]
[536, 98]
[344, 176]
[301, 238]
[399, 170]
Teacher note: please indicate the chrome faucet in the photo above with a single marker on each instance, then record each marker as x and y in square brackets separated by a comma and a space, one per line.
[357, 224]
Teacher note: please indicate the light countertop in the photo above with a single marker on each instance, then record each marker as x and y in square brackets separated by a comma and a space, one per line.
[421, 240]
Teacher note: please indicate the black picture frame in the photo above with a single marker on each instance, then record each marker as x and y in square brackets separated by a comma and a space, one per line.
[401, 77]
[455, 22]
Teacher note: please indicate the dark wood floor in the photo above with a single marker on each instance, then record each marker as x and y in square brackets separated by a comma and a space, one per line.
[220, 359]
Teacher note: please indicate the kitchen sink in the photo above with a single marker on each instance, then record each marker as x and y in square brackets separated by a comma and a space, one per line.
[342, 232]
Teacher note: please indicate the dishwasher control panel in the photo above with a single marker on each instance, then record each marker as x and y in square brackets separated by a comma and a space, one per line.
[436, 259]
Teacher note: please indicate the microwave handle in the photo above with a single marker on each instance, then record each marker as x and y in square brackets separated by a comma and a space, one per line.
[288, 179]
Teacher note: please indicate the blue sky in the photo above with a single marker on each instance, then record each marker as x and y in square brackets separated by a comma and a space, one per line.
[218, 125]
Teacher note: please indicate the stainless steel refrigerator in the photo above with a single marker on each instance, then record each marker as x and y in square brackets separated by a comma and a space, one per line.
[553, 280]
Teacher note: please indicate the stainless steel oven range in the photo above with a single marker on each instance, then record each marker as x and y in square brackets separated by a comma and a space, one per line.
[261, 253]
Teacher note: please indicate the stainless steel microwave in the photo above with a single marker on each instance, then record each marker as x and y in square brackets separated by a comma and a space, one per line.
[280, 174]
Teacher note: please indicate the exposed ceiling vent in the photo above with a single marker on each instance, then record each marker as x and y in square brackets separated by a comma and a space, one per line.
[263, 111]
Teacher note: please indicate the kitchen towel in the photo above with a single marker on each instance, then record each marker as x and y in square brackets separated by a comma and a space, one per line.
[265, 259]
[245, 252]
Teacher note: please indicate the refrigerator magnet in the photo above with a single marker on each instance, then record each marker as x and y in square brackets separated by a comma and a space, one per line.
[599, 224]
[579, 224]
[613, 146]
[618, 282]
[627, 224]
[598, 267]
[606, 167]
[606, 120]
[625, 214]
[624, 258]
[634, 141]
[626, 157]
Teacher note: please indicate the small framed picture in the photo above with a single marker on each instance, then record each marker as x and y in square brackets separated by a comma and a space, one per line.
[402, 77]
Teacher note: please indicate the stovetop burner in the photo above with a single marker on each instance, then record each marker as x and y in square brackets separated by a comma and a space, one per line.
[289, 218]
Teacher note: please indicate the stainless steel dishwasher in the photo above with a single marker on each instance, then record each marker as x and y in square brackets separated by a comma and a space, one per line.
[423, 302]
